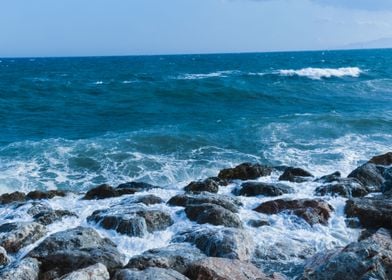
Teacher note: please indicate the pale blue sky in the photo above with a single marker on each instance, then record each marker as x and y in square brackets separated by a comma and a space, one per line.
[122, 27]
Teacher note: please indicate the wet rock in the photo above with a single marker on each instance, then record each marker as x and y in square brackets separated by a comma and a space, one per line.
[106, 191]
[258, 223]
[35, 195]
[26, 269]
[14, 236]
[336, 176]
[226, 202]
[133, 221]
[135, 186]
[149, 199]
[175, 256]
[313, 211]
[149, 274]
[372, 211]
[12, 197]
[219, 181]
[224, 269]
[245, 171]
[294, 174]
[212, 214]
[370, 258]
[38, 207]
[369, 175]
[228, 243]
[4, 260]
[346, 187]
[51, 216]
[94, 272]
[266, 189]
[66, 251]
[207, 185]
[385, 159]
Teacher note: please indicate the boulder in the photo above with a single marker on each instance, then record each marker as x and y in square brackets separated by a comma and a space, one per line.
[226, 202]
[228, 243]
[294, 174]
[385, 159]
[370, 258]
[224, 269]
[175, 256]
[51, 216]
[313, 211]
[258, 223]
[35, 195]
[135, 186]
[151, 273]
[26, 269]
[219, 181]
[148, 199]
[134, 220]
[373, 212]
[94, 272]
[369, 175]
[346, 187]
[105, 191]
[4, 259]
[336, 176]
[266, 189]
[245, 171]
[207, 185]
[14, 236]
[66, 251]
[212, 214]
[12, 197]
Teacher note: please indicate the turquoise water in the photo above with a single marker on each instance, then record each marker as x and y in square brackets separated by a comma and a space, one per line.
[72, 123]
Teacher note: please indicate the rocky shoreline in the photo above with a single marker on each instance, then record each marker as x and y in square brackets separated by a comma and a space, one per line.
[218, 245]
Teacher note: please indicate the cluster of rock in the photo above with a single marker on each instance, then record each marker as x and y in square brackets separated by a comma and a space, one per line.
[218, 246]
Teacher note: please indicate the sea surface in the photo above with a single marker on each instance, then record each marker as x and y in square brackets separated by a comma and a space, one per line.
[74, 123]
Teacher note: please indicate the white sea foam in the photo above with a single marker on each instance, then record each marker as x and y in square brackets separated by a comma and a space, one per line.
[206, 75]
[319, 73]
[99, 82]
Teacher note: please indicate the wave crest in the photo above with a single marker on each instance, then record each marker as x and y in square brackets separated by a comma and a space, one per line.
[318, 73]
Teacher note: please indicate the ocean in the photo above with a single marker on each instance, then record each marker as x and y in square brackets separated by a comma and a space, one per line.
[74, 123]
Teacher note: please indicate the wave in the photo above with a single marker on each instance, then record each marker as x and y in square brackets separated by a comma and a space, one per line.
[206, 75]
[319, 73]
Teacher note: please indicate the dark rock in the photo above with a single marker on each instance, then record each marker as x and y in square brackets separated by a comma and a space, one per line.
[222, 200]
[51, 216]
[207, 185]
[14, 236]
[346, 187]
[176, 256]
[94, 272]
[212, 214]
[245, 171]
[370, 258]
[135, 186]
[219, 181]
[369, 175]
[149, 274]
[26, 269]
[77, 248]
[336, 176]
[266, 189]
[224, 269]
[133, 221]
[4, 260]
[228, 243]
[106, 191]
[258, 223]
[34, 195]
[385, 159]
[294, 174]
[313, 211]
[371, 212]
[12, 197]
[149, 199]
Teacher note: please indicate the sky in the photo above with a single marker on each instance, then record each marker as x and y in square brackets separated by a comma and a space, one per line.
[131, 27]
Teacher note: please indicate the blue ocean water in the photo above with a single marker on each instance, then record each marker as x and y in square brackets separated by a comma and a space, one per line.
[72, 123]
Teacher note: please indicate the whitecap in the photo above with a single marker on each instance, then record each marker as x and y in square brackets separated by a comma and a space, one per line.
[99, 82]
[206, 75]
[319, 73]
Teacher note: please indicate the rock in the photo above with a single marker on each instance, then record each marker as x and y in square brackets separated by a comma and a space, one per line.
[149, 199]
[369, 175]
[245, 171]
[294, 174]
[224, 269]
[313, 211]
[94, 272]
[370, 258]
[266, 189]
[106, 191]
[66, 251]
[222, 200]
[34, 195]
[26, 269]
[207, 185]
[371, 211]
[258, 223]
[135, 186]
[151, 273]
[4, 259]
[228, 243]
[212, 214]
[38, 207]
[51, 216]
[219, 181]
[336, 176]
[175, 256]
[346, 187]
[385, 159]
[133, 220]
[14, 236]
[12, 197]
